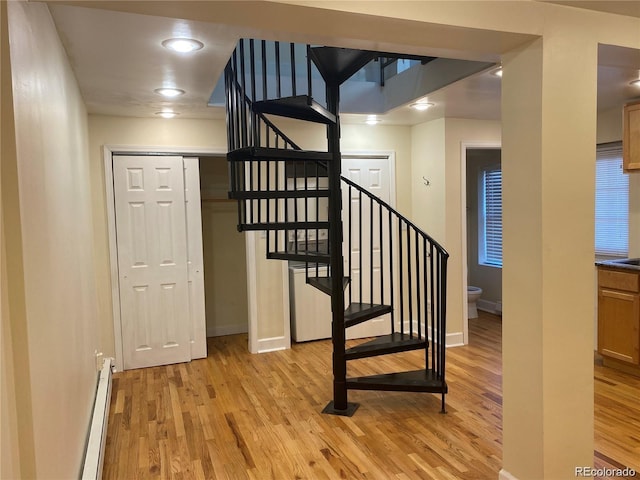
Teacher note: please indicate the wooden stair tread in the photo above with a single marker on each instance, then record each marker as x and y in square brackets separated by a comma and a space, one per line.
[324, 283]
[385, 344]
[284, 226]
[300, 107]
[269, 154]
[361, 312]
[266, 194]
[309, 257]
[336, 65]
[412, 381]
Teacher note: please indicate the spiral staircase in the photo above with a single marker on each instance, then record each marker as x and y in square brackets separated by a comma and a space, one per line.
[312, 214]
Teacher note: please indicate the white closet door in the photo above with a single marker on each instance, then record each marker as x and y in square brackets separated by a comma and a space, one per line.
[195, 262]
[152, 260]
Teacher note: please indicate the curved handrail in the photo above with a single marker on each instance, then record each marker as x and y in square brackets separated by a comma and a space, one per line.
[395, 212]
[249, 104]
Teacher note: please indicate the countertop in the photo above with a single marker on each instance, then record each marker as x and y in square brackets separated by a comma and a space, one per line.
[623, 264]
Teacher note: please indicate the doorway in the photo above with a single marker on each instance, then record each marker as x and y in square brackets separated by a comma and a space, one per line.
[109, 151]
[225, 256]
[159, 259]
[482, 234]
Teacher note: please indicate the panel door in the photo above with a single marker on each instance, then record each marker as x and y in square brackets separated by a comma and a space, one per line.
[195, 261]
[374, 174]
[152, 260]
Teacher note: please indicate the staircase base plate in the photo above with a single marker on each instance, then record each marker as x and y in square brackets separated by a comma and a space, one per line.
[348, 412]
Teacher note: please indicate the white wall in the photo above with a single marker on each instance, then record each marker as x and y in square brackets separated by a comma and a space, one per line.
[56, 354]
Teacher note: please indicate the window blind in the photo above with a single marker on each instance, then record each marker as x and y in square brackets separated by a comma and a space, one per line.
[491, 217]
[612, 201]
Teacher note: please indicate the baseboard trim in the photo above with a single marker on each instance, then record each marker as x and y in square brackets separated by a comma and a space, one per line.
[455, 339]
[273, 344]
[94, 455]
[222, 330]
[504, 475]
[491, 307]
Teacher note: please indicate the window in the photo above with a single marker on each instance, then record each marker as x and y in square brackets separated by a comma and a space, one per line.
[490, 217]
[612, 201]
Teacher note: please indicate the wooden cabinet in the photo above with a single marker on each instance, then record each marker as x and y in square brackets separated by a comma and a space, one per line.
[631, 137]
[619, 315]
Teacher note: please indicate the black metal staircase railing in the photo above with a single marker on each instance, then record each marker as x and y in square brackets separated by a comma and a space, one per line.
[400, 267]
[370, 259]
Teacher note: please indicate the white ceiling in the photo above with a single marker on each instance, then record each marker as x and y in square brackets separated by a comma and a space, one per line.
[118, 61]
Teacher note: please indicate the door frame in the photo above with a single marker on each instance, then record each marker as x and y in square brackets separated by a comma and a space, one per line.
[464, 146]
[108, 152]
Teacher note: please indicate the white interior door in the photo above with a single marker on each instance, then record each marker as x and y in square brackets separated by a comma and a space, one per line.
[374, 175]
[195, 261]
[152, 260]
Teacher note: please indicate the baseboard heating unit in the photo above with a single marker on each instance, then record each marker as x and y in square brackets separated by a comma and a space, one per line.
[94, 456]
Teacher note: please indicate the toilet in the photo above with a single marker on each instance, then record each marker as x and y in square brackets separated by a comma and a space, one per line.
[473, 294]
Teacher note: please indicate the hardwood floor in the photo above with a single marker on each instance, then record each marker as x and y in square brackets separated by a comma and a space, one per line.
[235, 416]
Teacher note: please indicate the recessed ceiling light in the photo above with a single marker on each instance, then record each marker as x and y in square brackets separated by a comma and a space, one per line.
[372, 120]
[635, 83]
[167, 114]
[182, 45]
[169, 92]
[497, 72]
[421, 105]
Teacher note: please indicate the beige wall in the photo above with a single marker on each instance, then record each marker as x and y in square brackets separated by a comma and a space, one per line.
[9, 437]
[55, 340]
[436, 155]
[428, 160]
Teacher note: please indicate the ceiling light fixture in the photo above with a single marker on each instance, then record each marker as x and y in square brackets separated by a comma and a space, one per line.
[635, 83]
[372, 120]
[182, 45]
[169, 92]
[167, 114]
[421, 105]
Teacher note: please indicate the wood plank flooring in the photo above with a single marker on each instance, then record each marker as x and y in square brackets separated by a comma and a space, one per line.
[236, 416]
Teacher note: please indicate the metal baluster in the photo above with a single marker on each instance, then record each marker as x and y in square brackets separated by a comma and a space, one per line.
[350, 236]
[252, 70]
[418, 282]
[293, 70]
[371, 250]
[236, 103]
[243, 111]
[361, 300]
[432, 299]
[409, 281]
[381, 254]
[443, 315]
[309, 92]
[278, 79]
[400, 279]
[264, 69]
[295, 203]
[391, 274]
